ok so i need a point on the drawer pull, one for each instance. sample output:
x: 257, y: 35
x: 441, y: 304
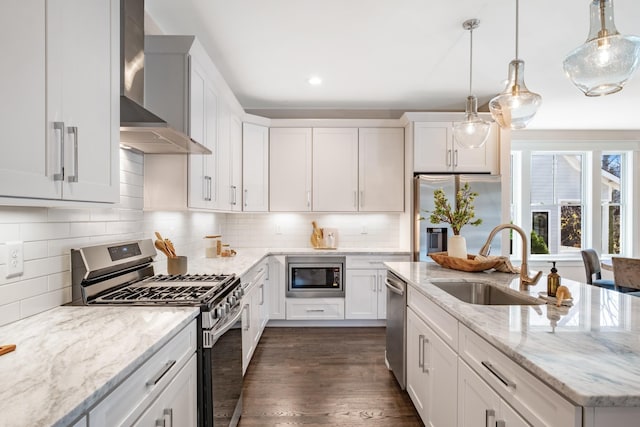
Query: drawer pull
x: 168, y: 415
x: 315, y: 310
x: 489, y: 414
x: 504, y: 380
x: 153, y: 381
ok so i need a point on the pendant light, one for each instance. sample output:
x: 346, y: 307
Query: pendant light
x: 516, y: 105
x: 473, y: 131
x: 604, y: 63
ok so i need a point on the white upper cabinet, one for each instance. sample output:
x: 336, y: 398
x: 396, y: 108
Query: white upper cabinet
x: 60, y: 110
x: 255, y: 168
x: 435, y: 150
x: 335, y: 169
x: 179, y: 87
x: 289, y: 169
x: 203, y: 127
x: 381, y: 170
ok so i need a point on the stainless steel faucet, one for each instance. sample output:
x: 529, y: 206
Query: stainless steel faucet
x: 525, y: 280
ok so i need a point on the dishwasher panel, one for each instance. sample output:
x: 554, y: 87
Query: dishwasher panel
x: 396, y: 327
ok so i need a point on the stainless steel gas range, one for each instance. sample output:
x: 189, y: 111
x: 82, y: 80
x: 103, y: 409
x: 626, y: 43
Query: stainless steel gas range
x: 122, y: 274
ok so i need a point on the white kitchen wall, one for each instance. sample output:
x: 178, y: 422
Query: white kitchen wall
x: 49, y: 234
x: 293, y: 230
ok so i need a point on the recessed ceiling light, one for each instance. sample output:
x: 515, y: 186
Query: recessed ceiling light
x: 314, y: 81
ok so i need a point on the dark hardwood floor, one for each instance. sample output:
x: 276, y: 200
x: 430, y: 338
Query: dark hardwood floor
x: 323, y: 377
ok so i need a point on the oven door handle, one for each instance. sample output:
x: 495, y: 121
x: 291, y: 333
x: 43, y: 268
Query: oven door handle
x: 224, y: 328
x: 392, y: 288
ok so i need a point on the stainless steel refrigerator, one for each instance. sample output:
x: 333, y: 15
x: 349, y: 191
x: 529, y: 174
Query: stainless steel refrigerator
x: 428, y: 237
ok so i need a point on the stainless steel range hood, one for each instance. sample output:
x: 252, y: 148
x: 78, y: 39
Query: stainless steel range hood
x: 140, y: 129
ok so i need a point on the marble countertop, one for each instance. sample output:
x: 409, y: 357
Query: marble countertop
x: 589, y: 352
x: 246, y: 258
x: 68, y: 358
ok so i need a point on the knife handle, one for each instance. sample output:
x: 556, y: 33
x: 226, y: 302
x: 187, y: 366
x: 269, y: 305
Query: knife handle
x: 7, y: 348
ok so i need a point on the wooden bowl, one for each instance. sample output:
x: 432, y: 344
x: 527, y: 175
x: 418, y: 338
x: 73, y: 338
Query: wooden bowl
x: 469, y: 264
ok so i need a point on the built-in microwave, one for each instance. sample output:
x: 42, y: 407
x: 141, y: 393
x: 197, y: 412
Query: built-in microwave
x: 315, y: 276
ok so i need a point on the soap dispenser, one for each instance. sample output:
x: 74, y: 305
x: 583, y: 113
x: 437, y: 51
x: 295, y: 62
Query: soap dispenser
x: 553, y: 281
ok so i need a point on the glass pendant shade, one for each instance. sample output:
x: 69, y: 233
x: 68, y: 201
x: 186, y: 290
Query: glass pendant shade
x: 604, y: 63
x: 473, y: 131
x: 516, y: 105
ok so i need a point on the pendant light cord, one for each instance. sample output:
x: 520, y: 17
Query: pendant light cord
x: 517, y: 24
x: 470, y: 60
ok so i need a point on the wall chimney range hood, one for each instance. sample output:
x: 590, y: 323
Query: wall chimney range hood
x: 140, y: 129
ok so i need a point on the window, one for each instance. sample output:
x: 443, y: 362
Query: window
x: 571, y: 195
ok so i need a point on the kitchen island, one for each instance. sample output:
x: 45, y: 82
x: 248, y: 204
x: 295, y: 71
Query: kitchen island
x: 589, y: 353
x: 70, y: 358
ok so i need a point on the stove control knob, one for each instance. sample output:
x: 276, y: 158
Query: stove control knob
x: 232, y: 300
x: 227, y: 307
x: 220, y: 311
x: 238, y: 293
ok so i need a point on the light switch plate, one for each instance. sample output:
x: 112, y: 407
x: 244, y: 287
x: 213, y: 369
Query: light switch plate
x: 15, y: 259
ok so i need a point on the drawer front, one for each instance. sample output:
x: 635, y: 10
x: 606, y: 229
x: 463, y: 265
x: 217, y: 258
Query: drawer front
x: 315, y: 308
x: 444, y: 324
x: 535, y: 401
x: 373, y: 261
x: 127, y: 402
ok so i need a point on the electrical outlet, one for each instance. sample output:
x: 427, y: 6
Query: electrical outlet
x: 278, y: 229
x: 15, y: 259
x: 364, y: 230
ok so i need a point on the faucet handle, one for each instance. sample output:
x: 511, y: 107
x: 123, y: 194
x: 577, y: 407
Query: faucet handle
x: 530, y: 281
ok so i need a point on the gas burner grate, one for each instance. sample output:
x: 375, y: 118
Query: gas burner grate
x: 189, y: 278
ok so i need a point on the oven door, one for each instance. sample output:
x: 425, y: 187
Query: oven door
x: 315, y: 279
x: 221, y: 397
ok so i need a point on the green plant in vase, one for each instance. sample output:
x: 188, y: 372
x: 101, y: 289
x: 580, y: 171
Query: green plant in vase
x: 458, y: 217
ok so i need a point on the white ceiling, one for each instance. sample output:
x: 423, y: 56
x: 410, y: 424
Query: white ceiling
x: 406, y: 55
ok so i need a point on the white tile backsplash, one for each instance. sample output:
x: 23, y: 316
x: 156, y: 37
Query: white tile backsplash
x: 48, y: 234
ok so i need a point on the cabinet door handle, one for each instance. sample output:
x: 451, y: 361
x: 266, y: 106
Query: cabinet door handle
x: 489, y: 416
x: 261, y: 294
x: 361, y: 198
x: 420, y: 351
x: 235, y: 195
x: 309, y: 199
x: 73, y: 130
x: 248, y: 317
x: 246, y: 197
x: 355, y: 199
x: 205, y: 188
x: 448, y: 157
x: 59, y: 126
x: 157, y: 377
x: 504, y: 380
x: 425, y: 368
x: 455, y: 156
x: 168, y: 415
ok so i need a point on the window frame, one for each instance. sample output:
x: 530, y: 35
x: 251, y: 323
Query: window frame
x: 592, y: 150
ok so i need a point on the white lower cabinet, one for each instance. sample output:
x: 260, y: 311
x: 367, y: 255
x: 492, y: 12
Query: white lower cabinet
x: 178, y: 404
x: 479, y: 405
x: 167, y: 381
x: 431, y: 373
x: 315, y: 308
x: 277, y: 287
x: 365, y: 290
x: 255, y: 310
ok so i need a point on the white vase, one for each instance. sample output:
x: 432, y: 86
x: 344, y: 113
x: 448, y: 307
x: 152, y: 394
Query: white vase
x: 457, y: 247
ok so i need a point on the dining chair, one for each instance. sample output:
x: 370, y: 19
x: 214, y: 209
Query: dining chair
x: 593, y: 270
x: 626, y: 274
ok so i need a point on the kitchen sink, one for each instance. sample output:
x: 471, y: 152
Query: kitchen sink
x: 485, y: 293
